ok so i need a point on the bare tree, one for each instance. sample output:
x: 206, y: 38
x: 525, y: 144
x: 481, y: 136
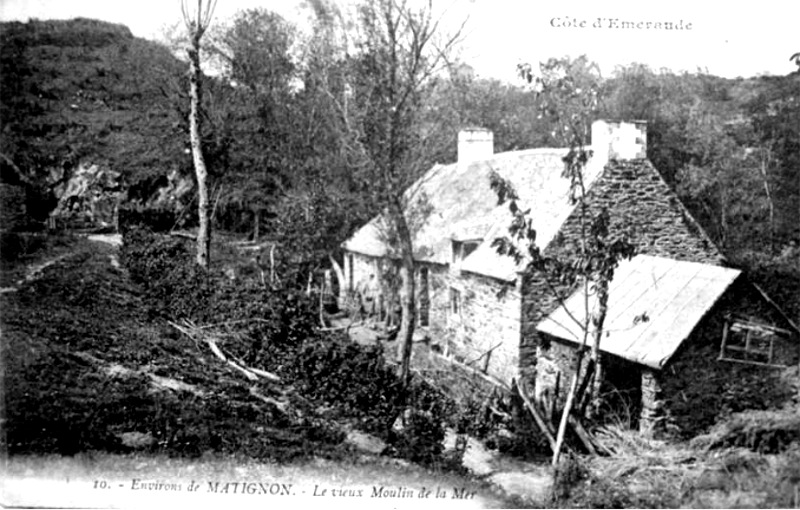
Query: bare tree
x: 396, y: 53
x: 197, y: 22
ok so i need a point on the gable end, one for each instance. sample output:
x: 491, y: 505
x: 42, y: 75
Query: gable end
x: 637, y: 198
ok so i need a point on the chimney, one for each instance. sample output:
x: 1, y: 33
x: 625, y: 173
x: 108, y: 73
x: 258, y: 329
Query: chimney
x: 619, y: 140
x: 475, y: 144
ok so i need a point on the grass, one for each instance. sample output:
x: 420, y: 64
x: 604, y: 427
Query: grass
x: 81, y: 359
x: 648, y: 473
x: 98, y: 389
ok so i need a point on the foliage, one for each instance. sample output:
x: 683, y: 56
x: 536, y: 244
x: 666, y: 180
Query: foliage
x: 760, y: 431
x: 82, y: 90
x: 569, y: 95
x: 80, y: 355
x: 420, y: 436
x: 354, y: 379
x: 699, y: 394
x: 15, y: 246
x: 157, y: 219
x: 275, y: 330
x: 507, y: 110
x: 727, y: 146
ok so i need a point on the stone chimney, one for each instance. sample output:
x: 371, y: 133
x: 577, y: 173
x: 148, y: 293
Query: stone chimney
x: 475, y: 144
x: 619, y: 140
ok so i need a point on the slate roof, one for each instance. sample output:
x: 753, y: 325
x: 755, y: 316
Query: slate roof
x: 674, y: 295
x: 464, y: 207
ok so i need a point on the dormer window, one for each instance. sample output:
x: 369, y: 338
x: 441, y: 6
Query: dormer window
x: 463, y: 249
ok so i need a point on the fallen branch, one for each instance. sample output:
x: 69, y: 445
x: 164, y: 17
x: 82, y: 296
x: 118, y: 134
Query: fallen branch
x: 582, y: 434
x: 334, y: 328
x: 489, y: 378
x: 252, y: 374
x: 268, y: 400
x: 184, y: 235
x: 264, y: 373
x: 212, y: 344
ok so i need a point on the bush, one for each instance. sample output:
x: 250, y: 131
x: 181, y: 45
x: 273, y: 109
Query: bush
x: 157, y: 219
x: 421, y: 438
x: 353, y: 379
x: 14, y: 246
x: 275, y: 328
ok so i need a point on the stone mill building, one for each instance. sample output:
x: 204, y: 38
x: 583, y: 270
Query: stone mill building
x: 682, y: 327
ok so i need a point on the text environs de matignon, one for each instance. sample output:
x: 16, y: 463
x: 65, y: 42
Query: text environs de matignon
x: 619, y: 23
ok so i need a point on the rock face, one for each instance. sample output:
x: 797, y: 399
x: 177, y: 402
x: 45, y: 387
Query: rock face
x: 174, y: 192
x: 89, y: 198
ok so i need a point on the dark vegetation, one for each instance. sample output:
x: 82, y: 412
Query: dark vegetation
x: 85, y: 345
x: 281, y: 162
x: 86, y: 348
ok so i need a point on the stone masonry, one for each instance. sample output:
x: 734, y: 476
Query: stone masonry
x: 639, y: 201
x: 483, y: 329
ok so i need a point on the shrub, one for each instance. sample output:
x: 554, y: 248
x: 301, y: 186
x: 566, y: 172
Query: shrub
x: 275, y: 328
x: 353, y: 379
x: 421, y: 438
x: 14, y: 245
x: 156, y: 219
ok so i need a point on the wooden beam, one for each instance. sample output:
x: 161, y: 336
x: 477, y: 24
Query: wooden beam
x: 746, y: 362
x: 536, y: 416
x: 581, y: 432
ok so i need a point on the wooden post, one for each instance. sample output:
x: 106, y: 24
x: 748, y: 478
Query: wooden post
x: 725, y: 332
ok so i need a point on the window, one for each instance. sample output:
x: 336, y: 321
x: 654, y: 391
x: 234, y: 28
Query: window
x: 455, y: 301
x: 747, y: 341
x: 463, y: 249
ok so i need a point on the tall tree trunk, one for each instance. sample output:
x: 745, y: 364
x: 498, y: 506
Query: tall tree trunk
x: 195, y: 93
x: 407, y: 292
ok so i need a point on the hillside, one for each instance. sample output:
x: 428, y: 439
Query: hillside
x: 85, y: 91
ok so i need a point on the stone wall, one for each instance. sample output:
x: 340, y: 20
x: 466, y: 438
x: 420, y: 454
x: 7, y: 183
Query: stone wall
x: 652, y: 396
x: 695, y: 388
x: 638, y: 200
x: 483, y: 332
x: 698, y: 388
x: 358, y: 268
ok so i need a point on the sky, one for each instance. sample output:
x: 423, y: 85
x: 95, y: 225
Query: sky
x: 731, y: 39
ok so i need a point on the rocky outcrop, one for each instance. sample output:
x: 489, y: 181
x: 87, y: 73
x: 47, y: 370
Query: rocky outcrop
x: 90, y: 196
